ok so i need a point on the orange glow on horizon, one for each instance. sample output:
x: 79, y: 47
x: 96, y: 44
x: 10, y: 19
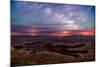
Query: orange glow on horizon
x: 34, y: 32
x: 15, y: 33
x: 87, y: 33
x: 68, y: 33
x: 61, y: 33
x: 31, y: 30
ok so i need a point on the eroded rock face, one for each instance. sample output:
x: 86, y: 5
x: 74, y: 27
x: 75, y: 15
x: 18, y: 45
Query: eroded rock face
x: 44, y: 57
x: 52, y: 57
x: 50, y: 54
x: 13, y: 52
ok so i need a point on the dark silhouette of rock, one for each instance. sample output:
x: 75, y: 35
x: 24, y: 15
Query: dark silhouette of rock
x: 18, y: 47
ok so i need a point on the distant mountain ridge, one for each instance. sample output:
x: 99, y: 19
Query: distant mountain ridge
x: 73, y: 38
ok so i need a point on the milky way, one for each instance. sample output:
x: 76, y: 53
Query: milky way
x: 35, y: 18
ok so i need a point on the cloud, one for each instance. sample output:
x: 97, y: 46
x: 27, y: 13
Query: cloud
x: 48, y: 11
x: 44, y: 18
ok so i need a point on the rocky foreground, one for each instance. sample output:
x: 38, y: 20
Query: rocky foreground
x: 50, y: 54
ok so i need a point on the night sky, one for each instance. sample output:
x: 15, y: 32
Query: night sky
x: 35, y: 18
